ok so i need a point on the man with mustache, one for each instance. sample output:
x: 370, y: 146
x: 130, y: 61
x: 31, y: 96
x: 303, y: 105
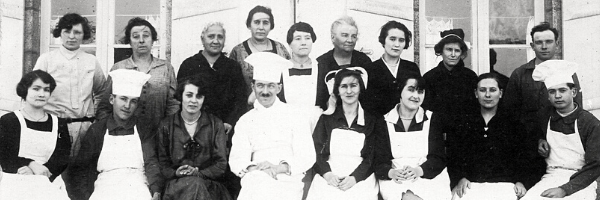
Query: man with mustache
x: 116, y: 160
x: 524, y: 97
x: 569, y: 138
x: 344, y: 34
x: 272, y: 147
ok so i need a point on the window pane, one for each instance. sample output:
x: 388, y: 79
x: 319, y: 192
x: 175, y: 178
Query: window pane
x: 442, y: 15
x: 126, y: 10
x: 508, y: 59
x: 86, y: 8
x: 510, y: 21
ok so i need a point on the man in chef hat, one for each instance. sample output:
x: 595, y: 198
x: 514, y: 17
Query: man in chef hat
x: 570, y: 138
x: 272, y: 147
x: 116, y: 160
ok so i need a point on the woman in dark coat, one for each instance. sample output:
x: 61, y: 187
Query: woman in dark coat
x: 192, y: 148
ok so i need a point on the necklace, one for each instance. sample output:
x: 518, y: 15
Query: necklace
x: 33, y: 118
x: 405, y: 118
x: 255, y: 47
x: 194, y: 121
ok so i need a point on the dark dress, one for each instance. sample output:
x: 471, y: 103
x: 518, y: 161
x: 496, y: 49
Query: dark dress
x: 451, y: 92
x: 382, y: 94
x: 326, y: 64
x: 225, y: 98
x: 10, y: 139
x: 492, y: 152
x: 206, y: 151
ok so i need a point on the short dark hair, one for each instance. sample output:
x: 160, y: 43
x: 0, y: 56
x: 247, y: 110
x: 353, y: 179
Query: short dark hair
x: 544, y: 26
x: 136, y: 21
x: 392, y: 25
x: 420, y: 82
x: 301, y: 27
x: 490, y: 76
x: 28, y: 79
x: 193, y: 80
x: 68, y: 21
x: 340, y: 75
x: 260, y: 9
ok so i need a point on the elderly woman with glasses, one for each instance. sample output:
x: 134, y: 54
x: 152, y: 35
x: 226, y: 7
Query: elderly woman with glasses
x: 191, y: 147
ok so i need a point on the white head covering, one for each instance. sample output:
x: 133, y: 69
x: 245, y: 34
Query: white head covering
x: 128, y: 82
x: 268, y: 66
x: 554, y: 72
x: 329, y: 81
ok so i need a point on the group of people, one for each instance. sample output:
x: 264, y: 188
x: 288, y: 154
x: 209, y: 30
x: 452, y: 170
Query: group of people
x: 262, y: 123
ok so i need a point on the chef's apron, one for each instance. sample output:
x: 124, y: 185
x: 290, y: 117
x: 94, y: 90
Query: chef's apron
x: 121, y: 167
x: 411, y: 149
x: 37, y: 145
x: 565, y: 159
x: 345, y: 156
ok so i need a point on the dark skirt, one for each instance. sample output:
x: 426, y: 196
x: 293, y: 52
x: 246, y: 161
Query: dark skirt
x: 195, y: 188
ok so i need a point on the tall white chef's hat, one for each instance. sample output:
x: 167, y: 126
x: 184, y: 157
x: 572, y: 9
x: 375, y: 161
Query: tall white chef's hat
x: 128, y: 82
x: 554, y: 72
x: 268, y: 66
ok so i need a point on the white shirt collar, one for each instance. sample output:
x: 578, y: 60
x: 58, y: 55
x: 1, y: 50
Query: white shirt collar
x: 68, y: 53
x: 393, y: 115
x: 260, y: 107
x: 393, y: 71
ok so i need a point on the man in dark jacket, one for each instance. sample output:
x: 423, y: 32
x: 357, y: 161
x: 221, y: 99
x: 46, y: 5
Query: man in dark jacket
x: 116, y: 160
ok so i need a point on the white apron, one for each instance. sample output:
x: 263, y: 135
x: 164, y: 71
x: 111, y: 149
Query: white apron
x: 565, y: 159
x: 121, y: 167
x: 301, y: 89
x: 345, y: 147
x: 29, y: 187
x: 37, y: 145
x: 411, y: 149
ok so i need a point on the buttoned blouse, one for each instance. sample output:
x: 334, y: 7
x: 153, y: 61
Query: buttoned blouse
x: 80, y: 82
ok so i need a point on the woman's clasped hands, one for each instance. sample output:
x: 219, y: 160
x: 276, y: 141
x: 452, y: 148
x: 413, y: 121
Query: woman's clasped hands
x: 406, y: 173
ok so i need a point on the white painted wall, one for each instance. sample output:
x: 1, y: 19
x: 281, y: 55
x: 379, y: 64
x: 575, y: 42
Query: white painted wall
x: 11, y: 52
x: 582, y: 45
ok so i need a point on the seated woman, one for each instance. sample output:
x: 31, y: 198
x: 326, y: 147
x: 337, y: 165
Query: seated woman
x: 191, y: 147
x: 410, y: 160
x: 344, y: 142
x: 32, y: 141
x: 486, y: 149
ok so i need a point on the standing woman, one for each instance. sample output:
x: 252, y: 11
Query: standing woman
x: 344, y: 142
x: 410, y: 159
x: 387, y: 72
x: 33, y: 141
x: 192, y: 147
x: 158, y: 94
x: 300, y: 80
x: 260, y: 22
x: 451, y: 84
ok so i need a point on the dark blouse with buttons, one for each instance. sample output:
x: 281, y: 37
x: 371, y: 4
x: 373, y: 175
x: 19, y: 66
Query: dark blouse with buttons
x: 382, y: 88
x: 492, y: 152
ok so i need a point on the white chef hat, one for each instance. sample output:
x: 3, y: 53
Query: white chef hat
x: 268, y: 66
x: 554, y: 72
x: 128, y: 82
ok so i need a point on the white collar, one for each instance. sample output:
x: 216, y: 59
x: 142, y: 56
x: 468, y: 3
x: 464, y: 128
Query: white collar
x: 394, y: 71
x: 68, y: 53
x: 260, y: 107
x: 393, y: 115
